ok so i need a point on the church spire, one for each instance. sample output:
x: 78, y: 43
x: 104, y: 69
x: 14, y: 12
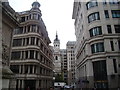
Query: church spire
x: 56, y: 36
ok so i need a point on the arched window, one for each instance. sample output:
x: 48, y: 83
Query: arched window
x: 56, y: 57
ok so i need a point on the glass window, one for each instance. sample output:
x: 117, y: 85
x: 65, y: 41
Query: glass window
x: 93, y: 17
x: 18, y: 30
x: 109, y: 29
x: 56, y: 57
x: 16, y: 55
x: 32, y: 40
x: 115, y: 13
x: 35, y: 16
x: 119, y: 44
x: 99, y: 69
x: 22, y: 19
x: 117, y: 28
x: 112, y: 45
x: 115, y: 65
x: 17, y: 42
x: 106, y: 14
x: 95, y: 31
x: 14, y: 68
x: 31, y: 54
x: 97, y: 47
x: 33, y: 28
x: 92, y: 3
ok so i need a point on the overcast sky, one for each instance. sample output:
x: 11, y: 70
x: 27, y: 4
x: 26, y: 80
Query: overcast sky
x: 57, y: 16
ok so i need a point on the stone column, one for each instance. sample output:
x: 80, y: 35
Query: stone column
x: 33, y: 69
x: 28, y: 69
x: 28, y: 54
x: 19, y: 69
x: 22, y: 84
x: 35, y: 40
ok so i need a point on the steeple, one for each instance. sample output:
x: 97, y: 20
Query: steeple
x: 56, y: 39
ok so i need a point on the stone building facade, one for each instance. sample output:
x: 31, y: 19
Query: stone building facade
x: 31, y: 56
x: 97, y: 31
x: 63, y: 55
x: 8, y: 22
x: 57, y: 58
x: 71, y: 62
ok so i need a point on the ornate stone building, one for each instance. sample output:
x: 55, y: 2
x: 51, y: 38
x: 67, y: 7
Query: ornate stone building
x: 31, y: 57
x: 97, y: 31
x: 8, y: 20
x: 57, y: 58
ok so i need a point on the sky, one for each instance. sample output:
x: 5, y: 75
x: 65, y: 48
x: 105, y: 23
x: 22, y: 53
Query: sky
x: 57, y: 16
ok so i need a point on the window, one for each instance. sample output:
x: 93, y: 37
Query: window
x: 14, y: 68
x: 35, y: 16
x: 16, y: 55
x: 26, y: 54
x: 32, y: 40
x: 114, y: 2
x: 112, y: 45
x: 100, y: 72
x: 115, y: 65
x: 93, y: 17
x: 119, y: 44
x: 56, y: 57
x: 115, y: 13
x: 109, y: 29
x: 17, y: 42
x: 27, y: 41
x: 31, y: 54
x: 91, y: 4
x: 106, y: 14
x: 33, y: 28
x: 22, y: 19
x: 97, y: 47
x: 95, y: 31
x: 117, y: 28
x: 18, y: 30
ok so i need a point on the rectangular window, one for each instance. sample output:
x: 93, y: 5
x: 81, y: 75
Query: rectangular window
x: 16, y: 55
x: 35, y: 16
x: 93, y: 17
x: 26, y: 54
x: 17, y: 42
x: 18, y: 30
x: 31, y: 54
x: 112, y: 45
x: 106, y: 14
x: 97, y: 47
x: 115, y: 65
x: 14, y: 68
x: 33, y: 28
x: 119, y: 44
x: 100, y: 72
x: 32, y: 40
x: 95, y: 31
x: 117, y: 28
x: 22, y: 19
x: 27, y: 41
x: 109, y: 29
x: 115, y: 13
